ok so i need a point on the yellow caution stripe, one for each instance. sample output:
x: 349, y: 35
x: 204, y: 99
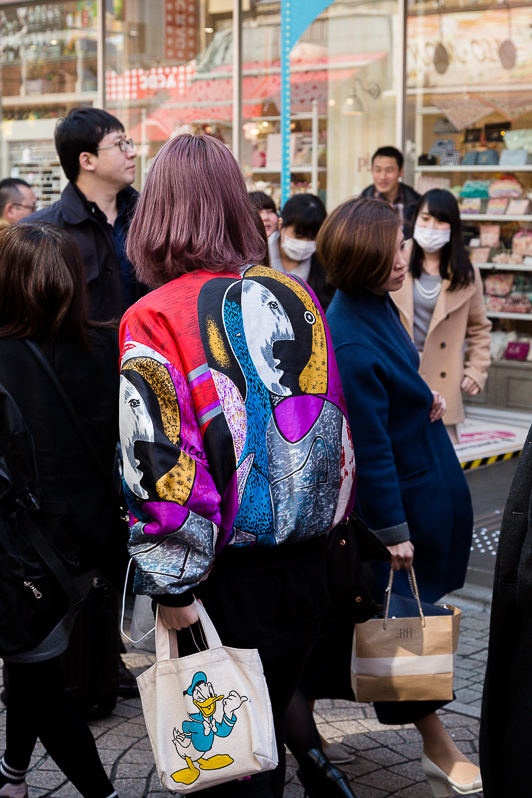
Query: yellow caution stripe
x: 483, y: 461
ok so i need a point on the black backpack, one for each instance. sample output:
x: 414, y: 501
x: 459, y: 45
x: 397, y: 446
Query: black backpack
x: 36, y: 586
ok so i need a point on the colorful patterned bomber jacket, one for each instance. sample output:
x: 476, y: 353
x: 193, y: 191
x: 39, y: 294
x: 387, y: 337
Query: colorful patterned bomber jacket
x: 232, y: 423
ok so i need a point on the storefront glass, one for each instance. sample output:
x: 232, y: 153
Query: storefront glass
x: 165, y: 66
x: 351, y: 50
x: 469, y: 129
x: 49, y: 62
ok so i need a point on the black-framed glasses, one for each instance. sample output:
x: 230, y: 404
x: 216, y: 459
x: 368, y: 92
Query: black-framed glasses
x: 30, y: 208
x: 123, y: 145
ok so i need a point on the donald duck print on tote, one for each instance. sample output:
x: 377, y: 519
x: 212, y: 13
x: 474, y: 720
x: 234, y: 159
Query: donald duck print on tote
x: 197, y: 735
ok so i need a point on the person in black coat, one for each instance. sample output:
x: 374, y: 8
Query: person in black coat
x: 506, y: 719
x: 97, y: 205
x: 293, y: 248
x: 96, y: 208
x: 387, y: 165
x: 43, y: 299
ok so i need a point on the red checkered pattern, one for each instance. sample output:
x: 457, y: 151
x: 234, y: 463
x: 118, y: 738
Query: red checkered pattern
x: 135, y: 84
x: 180, y: 30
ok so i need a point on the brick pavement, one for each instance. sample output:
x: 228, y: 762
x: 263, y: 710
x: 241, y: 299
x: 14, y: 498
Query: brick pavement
x: 387, y: 761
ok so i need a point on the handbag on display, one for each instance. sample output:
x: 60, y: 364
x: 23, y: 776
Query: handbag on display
x: 517, y: 350
x: 487, y: 158
x: 36, y: 587
x: 470, y: 158
x: 408, y: 654
x: 442, y: 147
x: 514, y: 157
x: 208, y: 714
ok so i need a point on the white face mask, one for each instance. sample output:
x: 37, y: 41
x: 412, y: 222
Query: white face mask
x: 298, y: 248
x: 431, y: 240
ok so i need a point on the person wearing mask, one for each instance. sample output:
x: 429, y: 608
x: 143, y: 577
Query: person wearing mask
x: 441, y: 304
x: 267, y: 210
x: 411, y: 491
x: 97, y: 204
x: 17, y: 201
x: 387, y: 164
x: 214, y: 361
x: 293, y: 247
x: 43, y: 299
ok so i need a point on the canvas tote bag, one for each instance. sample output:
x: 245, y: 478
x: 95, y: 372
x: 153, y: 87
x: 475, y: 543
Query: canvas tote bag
x: 208, y: 714
x: 406, y: 658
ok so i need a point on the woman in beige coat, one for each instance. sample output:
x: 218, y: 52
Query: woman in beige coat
x: 442, y: 307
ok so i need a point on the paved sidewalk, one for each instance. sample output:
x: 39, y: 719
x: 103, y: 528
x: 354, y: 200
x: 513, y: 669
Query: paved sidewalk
x: 387, y: 759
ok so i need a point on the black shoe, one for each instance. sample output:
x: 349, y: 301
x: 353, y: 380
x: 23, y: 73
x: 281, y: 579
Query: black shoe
x: 322, y: 779
x: 127, y: 683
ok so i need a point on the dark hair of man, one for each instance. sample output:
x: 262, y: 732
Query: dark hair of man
x: 305, y: 212
x: 455, y: 264
x: 357, y: 242
x: 194, y: 213
x: 262, y: 201
x: 389, y: 152
x: 82, y: 130
x: 9, y: 191
x: 42, y: 284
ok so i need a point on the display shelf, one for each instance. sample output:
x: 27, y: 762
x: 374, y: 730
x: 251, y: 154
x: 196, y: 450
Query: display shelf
x: 496, y: 217
x: 59, y: 98
x: 495, y: 168
x: 305, y: 168
x: 504, y: 267
x: 307, y: 150
x: 492, y: 314
x: 40, y: 58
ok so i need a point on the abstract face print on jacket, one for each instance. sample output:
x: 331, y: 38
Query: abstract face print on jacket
x: 233, y: 423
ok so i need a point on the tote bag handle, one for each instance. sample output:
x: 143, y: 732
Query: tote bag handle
x: 415, y: 592
x: 166, y: 639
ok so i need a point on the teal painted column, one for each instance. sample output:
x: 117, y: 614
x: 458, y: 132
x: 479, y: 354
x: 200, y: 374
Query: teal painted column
x: 296, y: 16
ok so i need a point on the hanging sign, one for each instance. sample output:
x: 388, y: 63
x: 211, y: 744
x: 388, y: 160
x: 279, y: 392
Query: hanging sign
x: 180, y: 30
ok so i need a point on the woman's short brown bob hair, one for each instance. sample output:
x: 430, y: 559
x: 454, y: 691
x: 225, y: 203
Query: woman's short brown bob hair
x: 42, y: 284
x: 194, y: 213
x: 357, y: 242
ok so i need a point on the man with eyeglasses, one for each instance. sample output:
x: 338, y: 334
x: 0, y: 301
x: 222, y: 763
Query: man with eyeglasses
x: 17, y: 201
x: 97, y: 205
x: 96, y: 208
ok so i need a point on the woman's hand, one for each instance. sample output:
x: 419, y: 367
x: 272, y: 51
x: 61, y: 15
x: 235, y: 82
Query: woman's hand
x: 178, y: 617
x: 438, y: 408
x: 469, y: 386
x: 402, y: 555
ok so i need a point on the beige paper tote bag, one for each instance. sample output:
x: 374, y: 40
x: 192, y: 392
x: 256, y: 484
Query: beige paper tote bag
x: 406, y: 658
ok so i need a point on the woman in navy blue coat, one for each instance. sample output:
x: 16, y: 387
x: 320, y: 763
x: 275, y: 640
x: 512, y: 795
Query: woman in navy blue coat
x: 410, y: 487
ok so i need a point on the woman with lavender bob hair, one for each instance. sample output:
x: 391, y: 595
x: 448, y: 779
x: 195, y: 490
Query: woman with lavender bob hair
x: 240, y: 458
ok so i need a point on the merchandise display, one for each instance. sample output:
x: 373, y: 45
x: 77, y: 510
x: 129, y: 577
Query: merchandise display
x: 493, y: 185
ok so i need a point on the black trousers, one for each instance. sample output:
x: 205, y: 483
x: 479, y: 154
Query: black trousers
x: 37, y: 708
x: 273, y: 600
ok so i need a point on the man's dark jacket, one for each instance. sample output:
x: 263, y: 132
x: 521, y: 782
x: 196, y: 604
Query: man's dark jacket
x: 89, y: 226
x: 506, y: 722
x: 408, y: 197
